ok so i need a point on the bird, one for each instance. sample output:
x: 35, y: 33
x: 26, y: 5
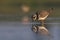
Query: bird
x: 41, y: 15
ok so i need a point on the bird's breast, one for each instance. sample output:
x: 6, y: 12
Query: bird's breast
x: 42, y: 18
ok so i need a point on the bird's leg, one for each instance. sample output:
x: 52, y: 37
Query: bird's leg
x: 42, y: 22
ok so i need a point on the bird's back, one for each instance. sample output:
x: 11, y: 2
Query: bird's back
x: 43, y: 13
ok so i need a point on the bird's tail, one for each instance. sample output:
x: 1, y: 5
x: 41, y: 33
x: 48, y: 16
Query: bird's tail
x: 50, y: 10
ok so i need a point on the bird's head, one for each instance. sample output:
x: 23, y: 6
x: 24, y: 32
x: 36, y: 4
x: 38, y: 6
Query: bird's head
x: 34, y: 17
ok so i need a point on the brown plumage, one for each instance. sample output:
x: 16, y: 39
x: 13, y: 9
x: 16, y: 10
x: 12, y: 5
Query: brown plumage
x: 42, y: 14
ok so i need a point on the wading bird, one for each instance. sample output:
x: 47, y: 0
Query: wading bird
x: 41, y: 15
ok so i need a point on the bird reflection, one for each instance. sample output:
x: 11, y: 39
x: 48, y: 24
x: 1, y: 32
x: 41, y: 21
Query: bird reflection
x: 42, y: 30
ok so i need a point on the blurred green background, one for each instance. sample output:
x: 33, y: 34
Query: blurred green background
x: 10, y: 9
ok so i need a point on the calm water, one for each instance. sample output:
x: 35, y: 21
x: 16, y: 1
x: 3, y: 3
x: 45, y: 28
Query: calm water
x: 19, y: 31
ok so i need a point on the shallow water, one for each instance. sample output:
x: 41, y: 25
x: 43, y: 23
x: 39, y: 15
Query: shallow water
x: 19, y: 31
